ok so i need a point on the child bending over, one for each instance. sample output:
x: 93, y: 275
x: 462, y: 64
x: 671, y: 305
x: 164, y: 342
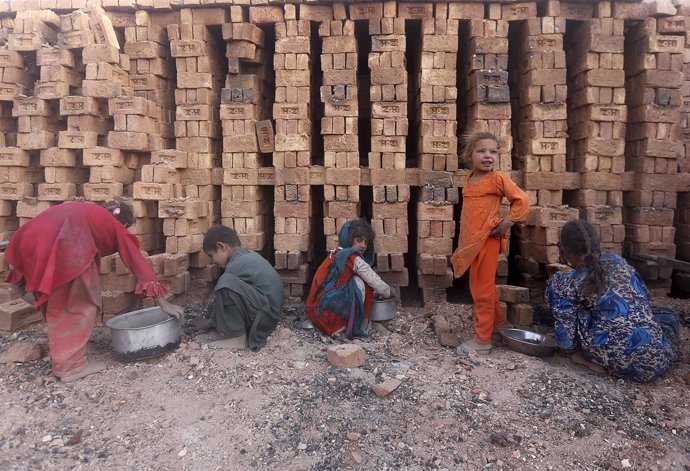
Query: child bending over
x: 341, y: 294
x: 483, y: 235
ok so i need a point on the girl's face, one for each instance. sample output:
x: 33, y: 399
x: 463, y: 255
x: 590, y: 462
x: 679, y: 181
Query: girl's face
x: 484, y: 155
x: 360, y: 243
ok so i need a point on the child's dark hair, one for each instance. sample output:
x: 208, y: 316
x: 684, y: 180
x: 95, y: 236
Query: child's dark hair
x: 221, y: 234
x: 470, y: 138
x: 579, y: 239
x: 121, y: 211
x: 359, y: 229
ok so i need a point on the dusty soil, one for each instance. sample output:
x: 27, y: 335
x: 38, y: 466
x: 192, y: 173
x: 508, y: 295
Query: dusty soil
x: 286, y: 408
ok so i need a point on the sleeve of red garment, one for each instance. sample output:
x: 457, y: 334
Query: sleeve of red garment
x: 519, y: 202
x: 128, y: 248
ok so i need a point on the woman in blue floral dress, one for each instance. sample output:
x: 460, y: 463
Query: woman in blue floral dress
x: 602, y: 310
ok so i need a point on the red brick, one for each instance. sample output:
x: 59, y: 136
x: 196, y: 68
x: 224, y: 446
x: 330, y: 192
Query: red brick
x: 17, y: 314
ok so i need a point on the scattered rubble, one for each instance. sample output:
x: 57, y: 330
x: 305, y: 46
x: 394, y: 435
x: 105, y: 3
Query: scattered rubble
x: 286, y: 407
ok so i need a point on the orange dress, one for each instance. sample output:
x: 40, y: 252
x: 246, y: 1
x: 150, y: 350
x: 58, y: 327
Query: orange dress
x: 481, y: 202
x: 478, y: 251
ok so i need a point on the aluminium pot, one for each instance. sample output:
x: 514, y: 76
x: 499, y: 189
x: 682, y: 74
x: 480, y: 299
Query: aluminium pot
x: 145, y: 333
x: 383, y: 309
x: 528, y: 342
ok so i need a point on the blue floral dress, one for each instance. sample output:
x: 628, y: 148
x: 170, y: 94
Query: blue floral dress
x: 621, y: 330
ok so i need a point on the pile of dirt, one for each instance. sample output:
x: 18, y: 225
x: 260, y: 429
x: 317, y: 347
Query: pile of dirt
x: 285, y: 407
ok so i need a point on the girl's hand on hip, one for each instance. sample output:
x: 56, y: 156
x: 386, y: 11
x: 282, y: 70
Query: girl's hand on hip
x: 502, y: 228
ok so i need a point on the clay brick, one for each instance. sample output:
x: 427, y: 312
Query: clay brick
x: 416, y: 11
x: 265, y: 14
x: 346, y: 356
x: 520, y: 314
x: 56, y: 191
x: 17, y: 314
x: 464, y: 11
x: 14, y: 157
x: 551, y: 216
x: 176, y: 264
x: 366, y: 11
x: 77, y: 139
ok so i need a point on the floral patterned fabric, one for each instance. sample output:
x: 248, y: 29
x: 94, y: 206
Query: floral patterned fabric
x: 621, y: 330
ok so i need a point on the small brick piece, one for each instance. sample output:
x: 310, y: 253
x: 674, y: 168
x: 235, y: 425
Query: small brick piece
x: 385, y: 388
x: 346, y: 356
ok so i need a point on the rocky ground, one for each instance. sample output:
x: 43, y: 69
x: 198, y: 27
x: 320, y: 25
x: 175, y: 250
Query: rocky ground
x: 286, y: 408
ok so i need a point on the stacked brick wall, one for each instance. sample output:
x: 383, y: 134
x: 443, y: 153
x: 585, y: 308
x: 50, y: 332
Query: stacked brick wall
x: 284, y: 120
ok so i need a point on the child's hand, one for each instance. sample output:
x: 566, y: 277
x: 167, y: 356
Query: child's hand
x: 169, y: 308
x: 502, y: 228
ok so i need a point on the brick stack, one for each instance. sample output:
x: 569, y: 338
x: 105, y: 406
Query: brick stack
x: 152, y: 75
x: 16, y: 78
x: 389, y: 128
x: 515, y: 301
x: 540, y: 106
x: 484, y: 96
x: 438, y: 157
x: 244, y: 102
x: 36, y: 130
x: 185, y: 220
x: 293, y: 240
x: 196, y: 52
x: 53, y: 124
x: 597, y: 122
x: 339, y: 126
x: 33, y: 29
x: 539, y: 124
x: 682, y: 216
x: 37, y: 119
x: 653, y: 69
x: 539, y: 236
x: 483, y: 93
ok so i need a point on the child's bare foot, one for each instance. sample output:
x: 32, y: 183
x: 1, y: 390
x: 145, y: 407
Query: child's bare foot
x: 580, y: 359
x: 91, y: 368
x: 235, y: 343
x: 201, y: 324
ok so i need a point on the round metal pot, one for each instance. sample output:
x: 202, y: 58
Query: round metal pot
x: 383, y: 309
x: 528, y: 342
x: 145, y: 333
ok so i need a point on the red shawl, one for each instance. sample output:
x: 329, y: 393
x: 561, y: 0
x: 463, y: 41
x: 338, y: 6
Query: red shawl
x: 59, y: 244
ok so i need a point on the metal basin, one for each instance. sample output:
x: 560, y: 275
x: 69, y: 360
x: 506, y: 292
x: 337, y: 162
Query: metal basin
x: 527, y: 342
x: 383, y: 309
x: 145, y: 333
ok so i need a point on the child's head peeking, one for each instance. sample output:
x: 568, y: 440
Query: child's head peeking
x: 480, y: 151
x: 359, y: 235
x: 121, y: 211
x: 220, y: 244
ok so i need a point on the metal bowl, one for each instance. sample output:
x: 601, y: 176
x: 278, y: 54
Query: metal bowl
x: 145, y: 333
x: 528, y: 342
x: 383, y: 309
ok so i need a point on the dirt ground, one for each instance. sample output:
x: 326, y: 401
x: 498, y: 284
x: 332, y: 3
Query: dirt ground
x: 286, y: 408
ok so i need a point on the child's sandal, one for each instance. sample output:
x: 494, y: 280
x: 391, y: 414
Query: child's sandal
x: 473, y: 345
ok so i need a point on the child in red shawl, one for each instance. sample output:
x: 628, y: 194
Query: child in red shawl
x: 483, y: 235
x: 57, y: 256
x: 343, y: 287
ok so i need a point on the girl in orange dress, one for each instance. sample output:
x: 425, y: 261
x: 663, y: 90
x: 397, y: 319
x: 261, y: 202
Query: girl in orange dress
x: 483, y: 235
